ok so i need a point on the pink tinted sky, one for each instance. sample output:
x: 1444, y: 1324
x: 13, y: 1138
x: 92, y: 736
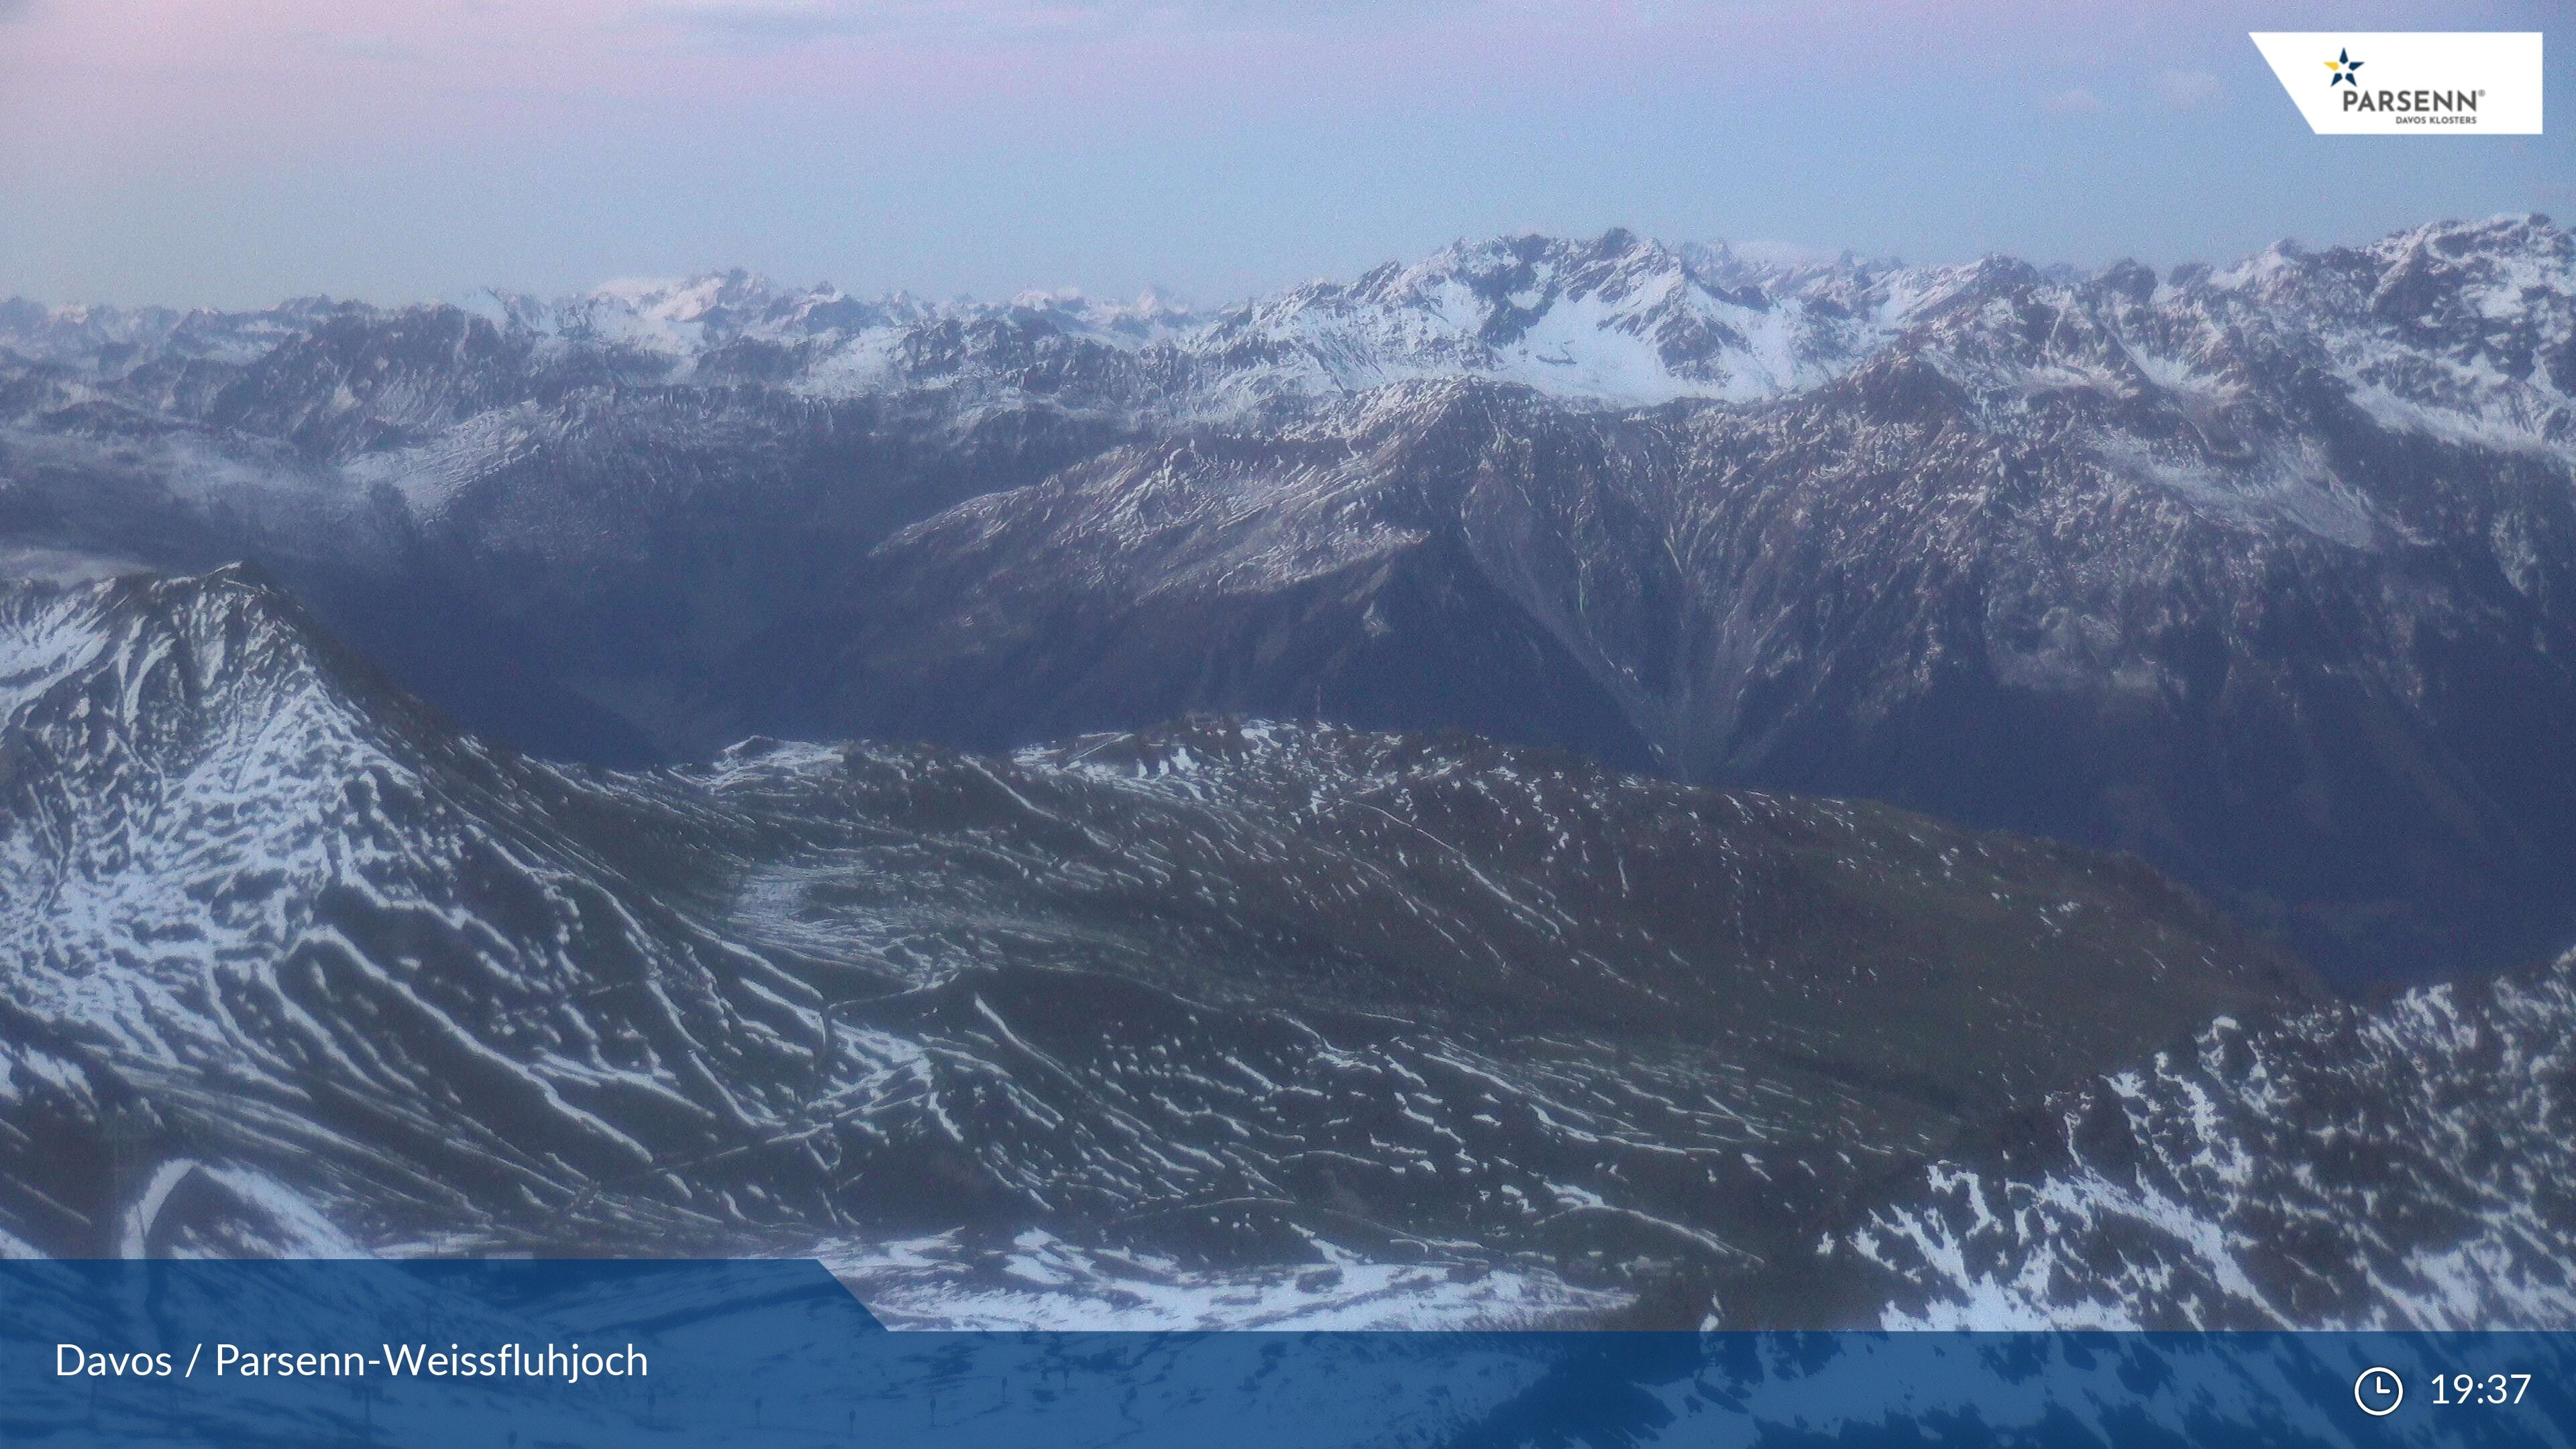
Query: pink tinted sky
x: 227, y: 150
x: 160, y: 72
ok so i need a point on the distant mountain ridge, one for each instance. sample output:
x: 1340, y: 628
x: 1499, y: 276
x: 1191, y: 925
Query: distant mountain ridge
x: 2449, y: 328
x: 1617, y: 320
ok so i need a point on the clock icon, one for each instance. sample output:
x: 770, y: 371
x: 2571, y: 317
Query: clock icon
x: 2378, y: 1391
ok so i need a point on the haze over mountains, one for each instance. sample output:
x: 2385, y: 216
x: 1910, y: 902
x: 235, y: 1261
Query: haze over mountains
x: 1134, y: 910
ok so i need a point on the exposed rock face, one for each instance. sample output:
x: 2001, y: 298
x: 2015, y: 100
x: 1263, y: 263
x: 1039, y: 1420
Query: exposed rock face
x: 2265, y: 575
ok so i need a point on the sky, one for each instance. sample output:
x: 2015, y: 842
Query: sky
x: 236, y: 152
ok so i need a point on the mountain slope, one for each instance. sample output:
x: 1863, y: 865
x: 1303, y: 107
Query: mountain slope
x: 2402, y: 1167
x: 2285, y: 610
x: 292, y: 962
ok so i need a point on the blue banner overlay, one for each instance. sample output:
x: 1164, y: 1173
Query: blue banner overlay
x: 549, y: 1355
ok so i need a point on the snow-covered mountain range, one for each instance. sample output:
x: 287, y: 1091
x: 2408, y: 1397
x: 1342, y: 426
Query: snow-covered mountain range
x: 2456, y: 330
x: 1617, y: 320
x: 2262, y: 571
x: 1105, y: 1001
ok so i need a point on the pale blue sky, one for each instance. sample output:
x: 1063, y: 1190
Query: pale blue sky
x: 170, y: 150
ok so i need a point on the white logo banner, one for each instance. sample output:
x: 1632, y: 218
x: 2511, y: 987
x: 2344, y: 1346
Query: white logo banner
x: 2414, y: 83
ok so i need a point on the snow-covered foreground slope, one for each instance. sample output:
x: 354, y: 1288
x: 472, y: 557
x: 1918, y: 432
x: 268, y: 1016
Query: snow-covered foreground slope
x: 2400, y: 1166
x: 1223, y: 1024
x: 1326, y: 1026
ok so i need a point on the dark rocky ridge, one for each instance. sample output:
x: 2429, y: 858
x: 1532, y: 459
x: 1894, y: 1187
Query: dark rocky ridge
x: 2358, y: 741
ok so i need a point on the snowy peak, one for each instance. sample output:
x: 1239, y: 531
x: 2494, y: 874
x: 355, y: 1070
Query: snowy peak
x: 2461, y: 332
x: 115, y: 340
x: 684, y: 318
x: 2465, y: 331
x: 171, y: 714
x: 126, y: 655
x: 1615, y: 319
x: 719, y: 295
